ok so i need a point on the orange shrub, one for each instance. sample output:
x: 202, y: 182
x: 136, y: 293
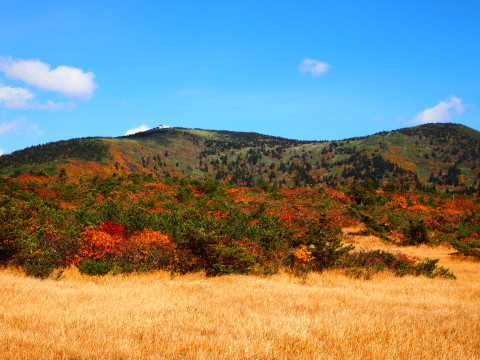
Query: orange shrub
x: 396, y: 235
x: 147, y: 238
x: 302, y: 257
x: 338, y: 195
x: 98, y: 244
x: 153, y: 248
x: 110, y: 241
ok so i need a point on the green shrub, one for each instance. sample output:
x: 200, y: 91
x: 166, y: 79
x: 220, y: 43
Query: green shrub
x: 110, y: 211
x: 429, y: 268
x: 184, y: 194
x: 15, y: 217
x: 95, y: 266
x: 211, y: 187
x: 231, y: 259
x: 416, y: 233
x: 466, y: 248
x: 40, y: 264
x: 324, y: 243
x: 121, y: 266
x: 365, y: 263
x: 135, y: 218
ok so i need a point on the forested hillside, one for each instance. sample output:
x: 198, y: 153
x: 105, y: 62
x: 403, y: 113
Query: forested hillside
x: 429, y: 157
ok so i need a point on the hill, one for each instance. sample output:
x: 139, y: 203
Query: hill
x: 431, y: 156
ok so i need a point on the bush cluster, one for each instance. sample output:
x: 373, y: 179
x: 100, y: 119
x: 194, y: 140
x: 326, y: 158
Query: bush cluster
x: 132, y: 223
x: 364, y: 264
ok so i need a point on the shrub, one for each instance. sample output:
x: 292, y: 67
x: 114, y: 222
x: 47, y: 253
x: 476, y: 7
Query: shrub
x: 40, y: 264
x: 416, y: 233
x: 365, y: 263
x: 15, y: 226
x: 135, y: 218
x: 64, y: 247
x: 429, y: 268
x: 122, y: 266
x: 302, y: 260
x: 152, y: 249
x: 231, y: 258
x: 111, y: 211
x: 95, y: 266
x: 185, y: 194
x: 324, y: 243
x: 99, y: 244
x: 211, y: 187
x: 466, y: 248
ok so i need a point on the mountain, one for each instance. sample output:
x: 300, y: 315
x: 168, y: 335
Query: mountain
x: 441, y: 156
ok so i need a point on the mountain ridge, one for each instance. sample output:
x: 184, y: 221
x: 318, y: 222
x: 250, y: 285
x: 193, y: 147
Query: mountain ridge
x: 437, y: 156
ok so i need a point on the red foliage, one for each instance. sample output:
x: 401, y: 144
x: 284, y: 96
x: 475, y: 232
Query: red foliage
x: 45, y: 193
x: 338, y: 195
x: 409, y: 259
x: 113, y: 229
x: 97, y: 244
x: 340, y: 217
x: 32, y: 178
x: 219, y: 214
x: 111, y: 240
x: 435, y: 221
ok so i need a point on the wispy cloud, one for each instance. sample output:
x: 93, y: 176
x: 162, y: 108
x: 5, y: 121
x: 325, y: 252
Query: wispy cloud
x: 315, y: 67
x: 20, y: 126
x: 442, y: 112
x: 67, y: 80
x: 55, y: 106
x: 15, y: 97
x: 8, y: 127
x: 21, y: 98
x: 137, y: 130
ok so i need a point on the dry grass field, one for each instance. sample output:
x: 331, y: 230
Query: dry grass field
x: 326, y: 316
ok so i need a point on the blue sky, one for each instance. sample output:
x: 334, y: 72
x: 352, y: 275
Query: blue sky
x: 300, y: 69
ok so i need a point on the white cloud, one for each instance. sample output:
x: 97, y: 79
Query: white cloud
x: 20, y: 126
x: 54, y: 106
x: 137, y: 130
x: 20, y: 98
x: 2, y: 152
x: 7, y: 127
x: 441, y: 112
x: 67, y: 80
x: 314, y: 67
x: 15, y: 97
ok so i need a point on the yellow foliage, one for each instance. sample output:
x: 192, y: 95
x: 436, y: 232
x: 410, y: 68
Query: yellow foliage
x: 302, y: 256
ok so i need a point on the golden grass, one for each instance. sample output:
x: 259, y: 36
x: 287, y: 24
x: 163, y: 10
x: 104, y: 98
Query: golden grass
x: 327, y: 316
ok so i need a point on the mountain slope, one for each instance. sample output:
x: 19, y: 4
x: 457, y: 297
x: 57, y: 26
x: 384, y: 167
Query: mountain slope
x: 446, y: 156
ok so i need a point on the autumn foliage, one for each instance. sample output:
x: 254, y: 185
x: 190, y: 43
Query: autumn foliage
x: 302, y: 257
x: 110, y: 241
x: 135, y: 223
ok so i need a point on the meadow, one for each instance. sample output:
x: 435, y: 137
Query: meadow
x: 126, y: 267
x: 322, y: 316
